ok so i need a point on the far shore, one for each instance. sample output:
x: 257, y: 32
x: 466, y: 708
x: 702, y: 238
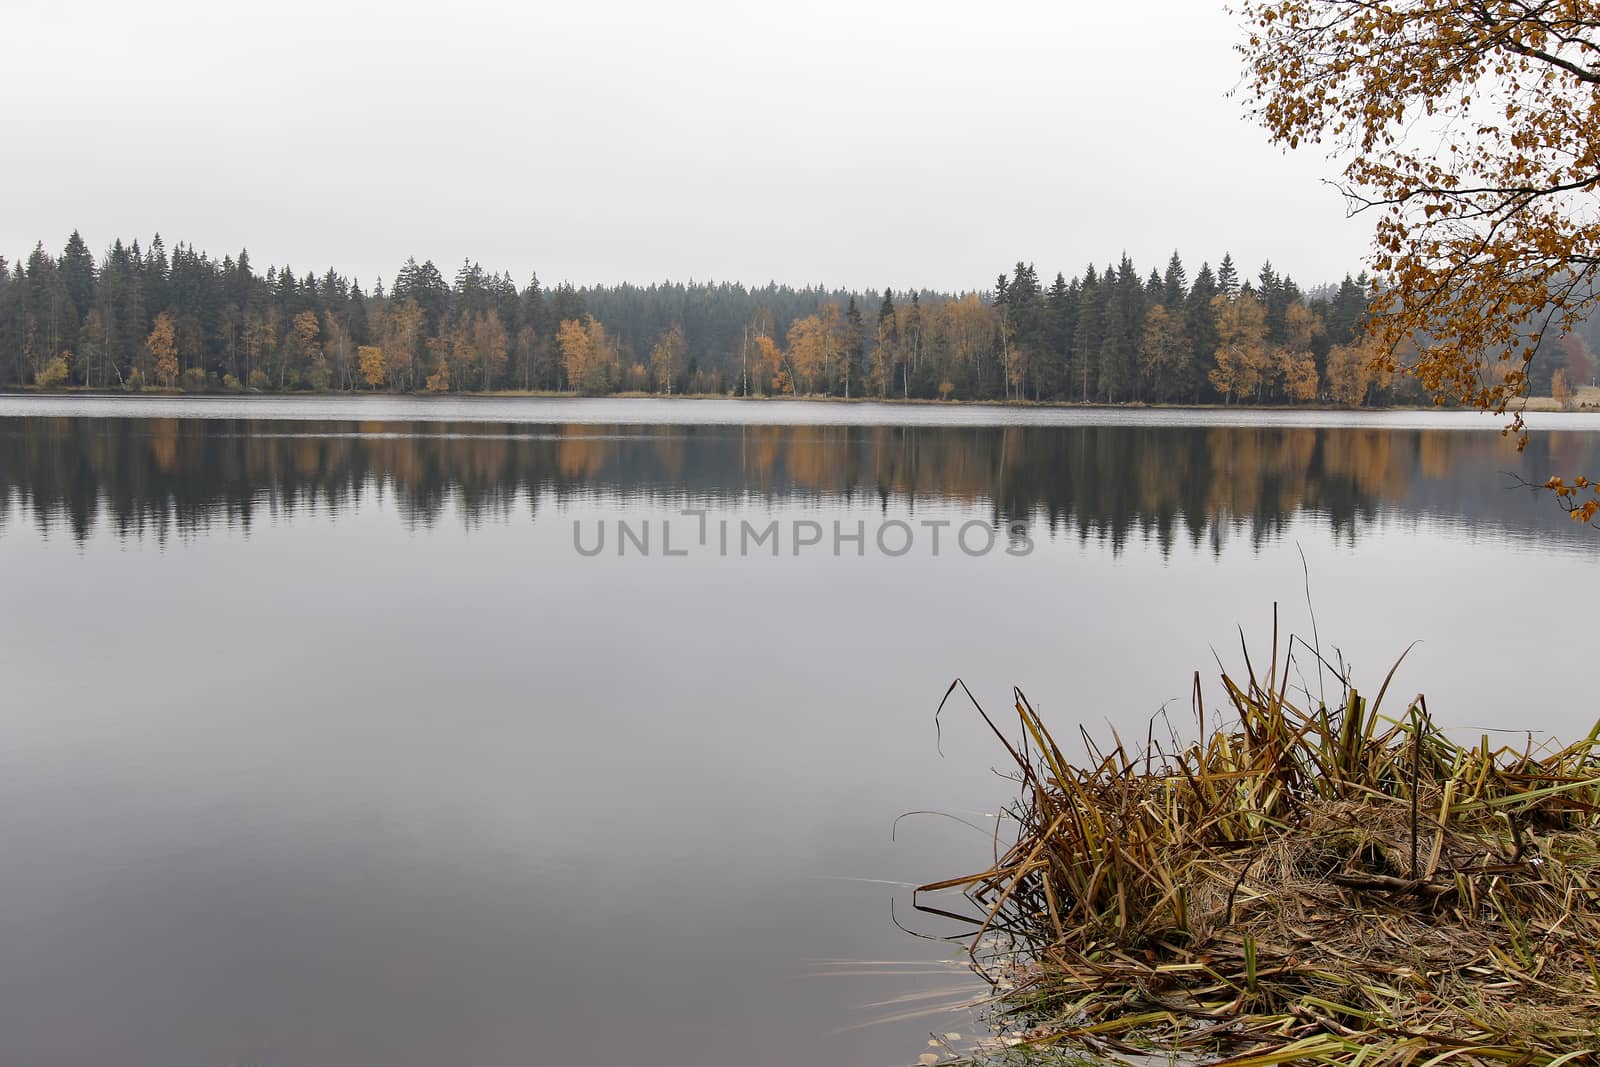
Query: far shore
x: 1586, y: 400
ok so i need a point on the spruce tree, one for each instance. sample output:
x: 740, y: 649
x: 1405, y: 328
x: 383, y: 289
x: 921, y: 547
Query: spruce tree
x: 913, y: 354
x: 1347, y: 311
x: 10, y: 321
x: 1060, y: 310
x: 1175, y: 285
x: 1087, y: 335
x: 359, y: 323
x: 1227, y: 276
x: 855, y: 341
x: 1275, y: 299
x: 1124, y: 320
x: 77, y: 273
x: 1028, y: 325
x: 132, y: 325
x: 1200, y: 324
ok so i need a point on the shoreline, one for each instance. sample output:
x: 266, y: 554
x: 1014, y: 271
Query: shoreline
x: 1532, y: 404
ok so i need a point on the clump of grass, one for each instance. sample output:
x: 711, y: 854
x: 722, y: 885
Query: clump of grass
x: 1303, y: 884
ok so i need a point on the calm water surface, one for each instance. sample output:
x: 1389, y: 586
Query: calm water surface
x: 324, y: 743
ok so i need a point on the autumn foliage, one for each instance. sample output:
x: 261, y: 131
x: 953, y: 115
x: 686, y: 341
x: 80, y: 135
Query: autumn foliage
x: 163, y: 348
x: 1472, y: 130
x: 589, y: 355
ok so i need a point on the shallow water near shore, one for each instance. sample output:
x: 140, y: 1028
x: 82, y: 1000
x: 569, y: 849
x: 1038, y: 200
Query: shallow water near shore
x: 330, y: 738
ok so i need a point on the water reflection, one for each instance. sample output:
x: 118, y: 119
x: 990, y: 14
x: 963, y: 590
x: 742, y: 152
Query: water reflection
x: 316, y: 750
x: 1195, y: 484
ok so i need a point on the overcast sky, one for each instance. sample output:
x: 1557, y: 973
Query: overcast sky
x: 849, y: 142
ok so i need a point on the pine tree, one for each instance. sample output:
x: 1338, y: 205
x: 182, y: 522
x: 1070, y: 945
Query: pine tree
x: 469, y: 292
x: 155, y: 275
x: 1274, y: 299
x: 1227, y: 276
x: 50, y: 322
x: 357, y: 321
x: 11, y: 336
x: 886, y: 350
x: 565, y: 303
x: 1200, y: 326
x: 77, y: 273
x: 1175, y: 285
x: 1347, y: 311
x: 913, y: 333
x: 1088, y: 334
x: 1029, y: 334
x: 536, y: 352
x: 132, y: 319
x: 424, y: 284
x: 1061, y: 311
x: 855, y: 341
x: 1124, y: 325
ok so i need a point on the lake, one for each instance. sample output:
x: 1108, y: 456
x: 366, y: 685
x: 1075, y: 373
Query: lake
x: 373, y: 731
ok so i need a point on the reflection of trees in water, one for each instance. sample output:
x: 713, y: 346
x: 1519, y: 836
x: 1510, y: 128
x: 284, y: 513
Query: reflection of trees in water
x: 1198, y: 484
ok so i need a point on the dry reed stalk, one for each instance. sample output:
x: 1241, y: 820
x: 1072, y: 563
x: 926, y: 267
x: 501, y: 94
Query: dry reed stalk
x: 1301, y: 885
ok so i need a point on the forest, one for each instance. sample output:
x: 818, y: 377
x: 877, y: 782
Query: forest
x: 141, y: 318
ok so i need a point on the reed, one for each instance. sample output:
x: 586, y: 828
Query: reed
x: 1302, y: 884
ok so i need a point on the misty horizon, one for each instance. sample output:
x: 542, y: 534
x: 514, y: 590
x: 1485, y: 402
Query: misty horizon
x: 619, y: 142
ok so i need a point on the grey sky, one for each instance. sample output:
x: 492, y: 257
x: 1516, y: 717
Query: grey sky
x: 901, y: 142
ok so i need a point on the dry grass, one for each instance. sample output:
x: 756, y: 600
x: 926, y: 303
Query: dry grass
x: 1301, y: 885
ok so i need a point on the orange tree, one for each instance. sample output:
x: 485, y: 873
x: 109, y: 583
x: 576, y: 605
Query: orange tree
x: 1472, y: 129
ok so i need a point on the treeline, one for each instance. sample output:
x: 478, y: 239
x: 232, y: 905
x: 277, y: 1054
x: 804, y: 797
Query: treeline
x: 139, y: 318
